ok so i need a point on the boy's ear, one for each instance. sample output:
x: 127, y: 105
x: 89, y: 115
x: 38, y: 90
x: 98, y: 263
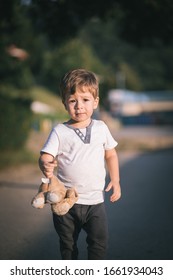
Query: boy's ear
x: 96, y: 102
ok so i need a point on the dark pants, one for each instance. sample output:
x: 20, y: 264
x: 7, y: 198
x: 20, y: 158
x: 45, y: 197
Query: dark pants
x: 91, y: 218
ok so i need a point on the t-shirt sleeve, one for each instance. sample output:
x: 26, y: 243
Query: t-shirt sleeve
x: 52, y: 144
x: 110, y: 142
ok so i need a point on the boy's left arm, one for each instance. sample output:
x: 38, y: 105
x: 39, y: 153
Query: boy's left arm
x: 113, y: 168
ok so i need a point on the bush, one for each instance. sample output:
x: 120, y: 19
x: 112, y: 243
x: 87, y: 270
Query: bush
x: 15, y: 122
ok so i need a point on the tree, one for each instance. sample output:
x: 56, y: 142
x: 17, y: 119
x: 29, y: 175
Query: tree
x: 141, y: 21
x: 147, y: 20
x: 16, y: 76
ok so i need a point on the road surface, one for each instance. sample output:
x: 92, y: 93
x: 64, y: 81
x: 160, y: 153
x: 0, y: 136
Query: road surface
x: 140, y: 223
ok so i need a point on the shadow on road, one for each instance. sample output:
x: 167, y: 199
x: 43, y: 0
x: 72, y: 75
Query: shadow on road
x: 140, y: 223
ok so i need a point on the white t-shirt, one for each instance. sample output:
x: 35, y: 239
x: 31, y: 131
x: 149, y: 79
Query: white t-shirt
x: 80, y: 154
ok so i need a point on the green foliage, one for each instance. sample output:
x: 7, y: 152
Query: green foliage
x: 63, y: 35
x: 17, y: 157
x: 141, y: 21
x: 147, y: 20
x: 144, y: 68
x: 15, y: 122
x: 71, y: 55
x: 75, y: 54
x: 62, y: 19
x: 132, y: 78
x: 89, y: 38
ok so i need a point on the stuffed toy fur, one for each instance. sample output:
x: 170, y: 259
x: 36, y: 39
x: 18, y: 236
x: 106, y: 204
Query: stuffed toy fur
x: 54, y: 192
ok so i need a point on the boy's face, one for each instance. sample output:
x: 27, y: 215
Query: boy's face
x: 80, y: 106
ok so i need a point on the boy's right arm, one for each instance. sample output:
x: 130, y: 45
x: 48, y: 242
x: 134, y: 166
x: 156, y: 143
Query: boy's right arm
x: 47, y: 163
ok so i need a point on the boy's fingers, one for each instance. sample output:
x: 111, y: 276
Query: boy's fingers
x: 108, y: 188
x: 115, y: 196
x: 48, y: 174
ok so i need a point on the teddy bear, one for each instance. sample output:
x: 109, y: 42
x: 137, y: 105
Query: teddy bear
x: 54, y: 192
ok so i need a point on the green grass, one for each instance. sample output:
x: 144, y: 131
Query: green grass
x: 42, y: 94
x: 17, y: 157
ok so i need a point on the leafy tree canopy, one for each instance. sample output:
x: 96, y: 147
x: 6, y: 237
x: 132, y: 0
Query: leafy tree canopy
x: 140, y: 21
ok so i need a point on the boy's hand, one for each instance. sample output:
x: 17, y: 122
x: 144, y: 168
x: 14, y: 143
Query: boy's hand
x: 116, y: 191
x: 47, y: 167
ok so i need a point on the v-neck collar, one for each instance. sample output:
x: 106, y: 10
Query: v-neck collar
x: 85, y: 139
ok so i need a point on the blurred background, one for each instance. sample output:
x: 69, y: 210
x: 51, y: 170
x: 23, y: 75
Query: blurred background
x: 129, y: 45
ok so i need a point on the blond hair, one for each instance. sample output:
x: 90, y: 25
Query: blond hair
x: 78, y: 79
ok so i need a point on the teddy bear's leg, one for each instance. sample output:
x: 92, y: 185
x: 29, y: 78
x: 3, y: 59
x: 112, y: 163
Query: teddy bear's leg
x: 56, y: 191
x: 60, y: 208
x: 63, y: 207
x: 38, y: 201
x: 71, y: 196
x: 53, y: 197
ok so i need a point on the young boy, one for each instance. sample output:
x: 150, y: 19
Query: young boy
x: 80, y: 147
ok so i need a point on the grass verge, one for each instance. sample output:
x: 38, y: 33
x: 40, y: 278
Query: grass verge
x: 17, y: 157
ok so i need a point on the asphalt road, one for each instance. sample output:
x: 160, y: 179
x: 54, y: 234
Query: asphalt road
x: 140, y: 223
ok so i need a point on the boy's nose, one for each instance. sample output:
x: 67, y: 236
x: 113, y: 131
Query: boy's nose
x: 79, y: 105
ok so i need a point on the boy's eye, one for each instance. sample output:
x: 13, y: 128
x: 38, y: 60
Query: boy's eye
x: 86, y: 99
x: 72, y: 101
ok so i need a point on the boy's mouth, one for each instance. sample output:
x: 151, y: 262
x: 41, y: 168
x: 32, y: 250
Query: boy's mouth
x: 80, y: 113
